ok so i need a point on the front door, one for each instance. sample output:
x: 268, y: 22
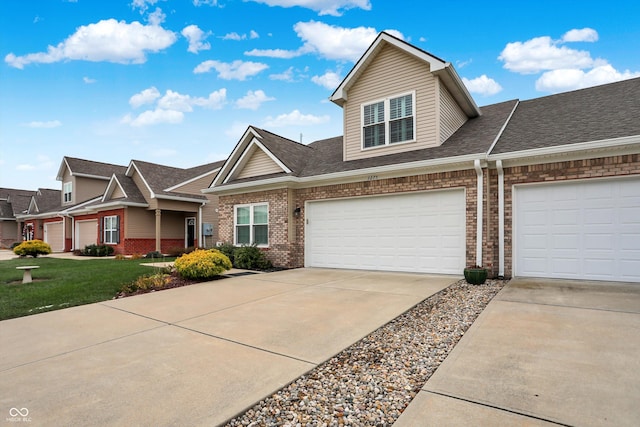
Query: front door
x: 191, y: 232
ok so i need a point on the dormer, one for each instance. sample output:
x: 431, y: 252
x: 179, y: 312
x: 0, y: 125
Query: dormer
x: 399, y: 98
x: 84, y: 179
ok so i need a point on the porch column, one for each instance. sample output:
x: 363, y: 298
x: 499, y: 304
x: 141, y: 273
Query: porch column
x: 158, y: 229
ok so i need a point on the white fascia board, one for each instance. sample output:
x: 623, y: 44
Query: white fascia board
x: 374, y: 173
x: 86, y: 175
x: 80, y: 206
x: 501, y: 131
x: 248, y: 151
x: 180, y: 199
x: 613, y: 146
x: 457, y: 89
x: 189, y: 181
x: 111, y: 188
x: 146, y: 184
x: 233, y: 157
x: 63, y: 164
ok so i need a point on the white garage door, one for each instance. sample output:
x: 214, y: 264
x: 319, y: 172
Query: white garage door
x: 416, y: 232
x: 580, y: 230
x: 54, y: 236
x: 86, y: 233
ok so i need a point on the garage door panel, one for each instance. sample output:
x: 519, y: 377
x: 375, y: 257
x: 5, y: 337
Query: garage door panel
x: 423, y: 232
x: 587, y: 229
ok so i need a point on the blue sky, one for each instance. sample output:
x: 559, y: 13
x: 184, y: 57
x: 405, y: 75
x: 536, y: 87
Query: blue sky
x: 177, y: 82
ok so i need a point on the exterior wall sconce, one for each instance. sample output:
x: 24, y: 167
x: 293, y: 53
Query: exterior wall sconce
x: 296, y: 212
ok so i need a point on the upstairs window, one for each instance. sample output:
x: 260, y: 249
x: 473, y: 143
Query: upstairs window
x: 388, y: 121
x: 252, y: 224
x: 66, y: 192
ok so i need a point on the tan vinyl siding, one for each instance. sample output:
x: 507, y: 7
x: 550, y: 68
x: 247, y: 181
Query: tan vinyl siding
x: 173, y: 225
x: 258, y: 164
x: 140, y: 224
x: 176, y: 205
x: 66, y: 177
x: 392, y: 72
x: 117, y: 193
x: 451, y: 115
x: 87, y: 188
x: 196, y: 186
x: 137, y: 179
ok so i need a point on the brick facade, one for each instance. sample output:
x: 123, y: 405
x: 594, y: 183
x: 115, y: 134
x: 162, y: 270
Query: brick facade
x: 286, y: 247
x: 286, y: 244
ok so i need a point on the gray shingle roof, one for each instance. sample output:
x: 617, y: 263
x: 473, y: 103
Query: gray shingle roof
x: 293, y: 154
x: 48, y: 200
x: 160, y: 177
x: 130, y: 188
x: 89, y: 167
x: 592, y: 114
x: 15, y: 201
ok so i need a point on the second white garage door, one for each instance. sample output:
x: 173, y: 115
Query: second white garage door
x: 580, y: 230
x: 54, y: 235
x: 416, y: 232
x: 86, y: 233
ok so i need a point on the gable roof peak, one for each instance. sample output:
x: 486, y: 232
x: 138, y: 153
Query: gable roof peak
x: 444, y: 70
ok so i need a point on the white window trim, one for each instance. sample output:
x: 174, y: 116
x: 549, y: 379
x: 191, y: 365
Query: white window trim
x: 251, y: 224
x: 65, y: 192
x: 387, y: 120
x: 110, y: 230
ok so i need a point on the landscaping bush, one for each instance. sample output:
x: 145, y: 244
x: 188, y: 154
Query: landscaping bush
x: 229, y: 250
x: 202, y: 264
x: 251, y: 258
x: 33, y: 248
x: 154, y: 254
x: 14, y: 244
x: 97, y: 250
x: 144, y: 283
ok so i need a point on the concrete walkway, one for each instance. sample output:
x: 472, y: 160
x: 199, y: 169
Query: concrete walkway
x: 196, y: 355
x: 543, y: 353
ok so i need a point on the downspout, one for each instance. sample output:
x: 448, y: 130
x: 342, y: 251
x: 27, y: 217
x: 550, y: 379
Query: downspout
x: 200, y: 236
x: 500, y: 218
x: 478, y: 168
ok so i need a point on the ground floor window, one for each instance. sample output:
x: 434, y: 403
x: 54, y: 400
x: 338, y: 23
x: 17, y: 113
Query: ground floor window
x: 111, y: 229
x: 252, y: 224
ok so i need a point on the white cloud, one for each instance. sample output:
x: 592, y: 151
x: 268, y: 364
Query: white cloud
x: 482, y: 85
x: 88, y: 80
x: 337, y: 43
x: 154, y: 117
x: 43, y: 163
x: 236, y: 70
x: 570, y: 79
x: 157, y: 17
x: 147, y: 96
x: 323, y: 7
x: 237, y: 37
x: 582, y: 35
x: 143, y: 5
x: 543, y: 53
x: 44, y: 125
x: 253, y: 100
x: 107, y: 40
x: 328, y: 41
x: 205, y: 2
x: 275, y: 53
x: 170, y: 107
x: 295, y: 118
x: 286, y: 75
x: 329, y: 80
x: 196, y: 38
x: 254, y: 35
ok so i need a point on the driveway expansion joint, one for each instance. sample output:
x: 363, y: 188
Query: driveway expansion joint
x: 499, y: 408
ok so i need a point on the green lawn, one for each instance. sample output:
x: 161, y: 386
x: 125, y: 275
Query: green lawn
x: 62, y: 283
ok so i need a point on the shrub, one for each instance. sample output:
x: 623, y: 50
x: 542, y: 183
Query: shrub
x: 120, y: 257
x: 33, y: 248
x: 229, y: 250
x: 14, y: 244
x: 251, y: 258
x: 145, y: 283
x: 202, y: 264
x: 154, y: 254
x: 98, y: 250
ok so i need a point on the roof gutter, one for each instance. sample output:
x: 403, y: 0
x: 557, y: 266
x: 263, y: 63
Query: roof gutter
x: 449, y: 163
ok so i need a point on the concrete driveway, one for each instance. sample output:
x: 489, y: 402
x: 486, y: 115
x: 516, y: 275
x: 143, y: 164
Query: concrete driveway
x: 196, y: 355
x: 543, y: 352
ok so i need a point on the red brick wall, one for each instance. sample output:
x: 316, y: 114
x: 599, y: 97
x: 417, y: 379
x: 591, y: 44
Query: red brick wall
x: 285, y: 254
x: 144, y: 246
x: 555, y: 172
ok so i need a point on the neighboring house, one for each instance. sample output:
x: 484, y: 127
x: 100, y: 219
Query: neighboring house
x: 424, y: 180
x: 137, y: 208
x: 12, y: 202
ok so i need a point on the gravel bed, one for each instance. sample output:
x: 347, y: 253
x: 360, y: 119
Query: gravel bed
x: 371, y: 382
